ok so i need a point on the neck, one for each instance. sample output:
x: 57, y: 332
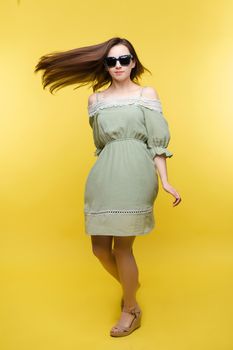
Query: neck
x: 122, y: 86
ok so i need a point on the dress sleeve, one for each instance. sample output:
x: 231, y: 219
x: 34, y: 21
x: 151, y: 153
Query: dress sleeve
x: 157, y: 130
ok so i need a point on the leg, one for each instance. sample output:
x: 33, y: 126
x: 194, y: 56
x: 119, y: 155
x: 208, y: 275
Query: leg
x: 102, y: 249
x: 127, y: 268
x: 128, y: 273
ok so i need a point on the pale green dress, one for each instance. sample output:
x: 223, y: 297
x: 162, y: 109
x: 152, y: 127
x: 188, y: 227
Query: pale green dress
x: 122, y: 185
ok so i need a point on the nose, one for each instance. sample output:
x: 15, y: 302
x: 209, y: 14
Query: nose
x: 118, y: 64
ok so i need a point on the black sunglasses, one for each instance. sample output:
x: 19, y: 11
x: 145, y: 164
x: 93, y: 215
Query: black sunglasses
x: 124, y: 60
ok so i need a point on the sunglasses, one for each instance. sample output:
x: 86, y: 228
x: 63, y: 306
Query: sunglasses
x: 124, y: 60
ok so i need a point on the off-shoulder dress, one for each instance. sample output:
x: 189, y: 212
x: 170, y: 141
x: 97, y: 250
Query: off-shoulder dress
x: 122, y: 185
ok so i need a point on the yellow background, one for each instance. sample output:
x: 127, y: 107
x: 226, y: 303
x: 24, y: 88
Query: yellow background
x: 54, y: 292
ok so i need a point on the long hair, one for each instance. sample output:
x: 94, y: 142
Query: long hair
x: 83, y: 66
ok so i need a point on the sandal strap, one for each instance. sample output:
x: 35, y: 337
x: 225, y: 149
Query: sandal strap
x: 120, y: 328
x: 133, y: 311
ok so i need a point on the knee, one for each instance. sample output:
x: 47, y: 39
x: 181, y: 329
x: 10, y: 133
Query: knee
x: 101, y: 252
x: 122, y: 251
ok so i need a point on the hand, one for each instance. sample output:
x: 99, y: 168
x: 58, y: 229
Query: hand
x: 168, y: 188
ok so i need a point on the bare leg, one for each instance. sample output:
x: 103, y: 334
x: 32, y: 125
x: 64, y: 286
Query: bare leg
x: 127, y: 268
x: 102, y: 249
x: 128, y: 273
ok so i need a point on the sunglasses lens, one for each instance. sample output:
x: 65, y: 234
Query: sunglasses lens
x: 124, y: 60
x: 110, y: 61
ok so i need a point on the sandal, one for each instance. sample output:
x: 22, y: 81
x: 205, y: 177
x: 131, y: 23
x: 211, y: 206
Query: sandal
x: 121, y: 331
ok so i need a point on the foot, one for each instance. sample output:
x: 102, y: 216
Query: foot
x: 122, y: 300
x: 130, y: 320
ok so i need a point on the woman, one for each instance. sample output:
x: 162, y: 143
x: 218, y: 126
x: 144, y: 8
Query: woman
x: 131, y: 137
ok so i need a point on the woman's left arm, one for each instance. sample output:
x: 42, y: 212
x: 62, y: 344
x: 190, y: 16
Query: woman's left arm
x: 161, y: 165
x: 158, y: 139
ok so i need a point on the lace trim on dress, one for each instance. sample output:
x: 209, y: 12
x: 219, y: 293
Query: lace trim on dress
x: 138, y: 101
x: 120, y: 211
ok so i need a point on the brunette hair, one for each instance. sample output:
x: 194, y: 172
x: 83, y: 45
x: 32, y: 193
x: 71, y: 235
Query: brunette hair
x: 83, y: 66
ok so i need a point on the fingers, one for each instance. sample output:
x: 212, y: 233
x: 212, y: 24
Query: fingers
x: 168, y: 188
x: 177, y: 197
x: 177, y: 201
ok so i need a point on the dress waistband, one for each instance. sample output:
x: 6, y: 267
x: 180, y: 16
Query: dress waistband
x: 125, y: 139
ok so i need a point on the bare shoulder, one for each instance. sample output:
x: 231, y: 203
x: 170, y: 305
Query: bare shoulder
x: 92, y: 99
x: 150, y: 92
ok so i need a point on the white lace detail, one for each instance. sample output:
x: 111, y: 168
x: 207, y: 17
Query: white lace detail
x: 121, y: 211
x: 138, y: 101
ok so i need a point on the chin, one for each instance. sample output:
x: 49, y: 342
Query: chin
x: 120, y: 77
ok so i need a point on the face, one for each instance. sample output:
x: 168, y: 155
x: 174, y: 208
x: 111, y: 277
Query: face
x: 120, y: 72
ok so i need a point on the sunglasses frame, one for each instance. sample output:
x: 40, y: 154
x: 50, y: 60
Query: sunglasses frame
x: 118, y: 59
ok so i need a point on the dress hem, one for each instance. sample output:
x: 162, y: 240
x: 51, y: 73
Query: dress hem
x: 119, y: 225
x: 121, y: 235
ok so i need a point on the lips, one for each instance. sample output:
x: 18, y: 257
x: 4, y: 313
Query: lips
x: 119, y: 72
